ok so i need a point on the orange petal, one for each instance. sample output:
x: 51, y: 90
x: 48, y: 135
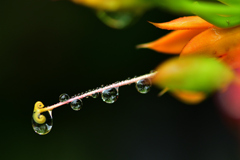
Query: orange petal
x: 183, y: 23
x: 189, y: 97
x: 215, y: 42
x: 172, y: 43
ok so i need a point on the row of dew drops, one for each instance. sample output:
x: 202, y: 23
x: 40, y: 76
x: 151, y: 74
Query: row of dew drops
x: 109, y: 96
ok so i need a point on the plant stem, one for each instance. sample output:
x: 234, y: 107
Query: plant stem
x: 114, y: 85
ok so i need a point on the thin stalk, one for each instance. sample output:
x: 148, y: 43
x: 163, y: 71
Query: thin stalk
x: 114, y: 85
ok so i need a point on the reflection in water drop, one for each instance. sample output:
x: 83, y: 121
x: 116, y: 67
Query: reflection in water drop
x: 95, y: 95
x: 143, y: 86
x: 118, y: 20
x: 46, y: 127
x: 63, y: 97
x: 110, y: 95
x: 76, y: 105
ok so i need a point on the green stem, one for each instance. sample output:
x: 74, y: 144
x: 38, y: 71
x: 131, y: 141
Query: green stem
x: 218, y: 14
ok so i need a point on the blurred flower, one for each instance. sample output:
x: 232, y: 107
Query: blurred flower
x: 114, y: 5
x: 230, y: 98
x: 193, y: 73
x: 195, y: 36
x: 117, y: 13
x: 190, y: 78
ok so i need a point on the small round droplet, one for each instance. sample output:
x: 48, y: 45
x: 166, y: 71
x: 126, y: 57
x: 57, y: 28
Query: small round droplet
x: 63, y: 97
x: 46, y: 127
x: 76, y: 105
x: 152, y: 71
x: 102, y: 86
x: 129, y: 78
x: 110, y: 95
x: 86, y: 93
x: 95, y: 95
x: 143, y: 86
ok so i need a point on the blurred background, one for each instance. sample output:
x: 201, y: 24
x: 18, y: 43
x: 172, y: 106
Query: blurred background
x: 52, y: 47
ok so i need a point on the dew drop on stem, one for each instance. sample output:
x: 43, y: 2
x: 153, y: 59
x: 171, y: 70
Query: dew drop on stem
x: 64, y: 97
x: 76, y: 105
x: 143, y: 86
x: 110, y: 95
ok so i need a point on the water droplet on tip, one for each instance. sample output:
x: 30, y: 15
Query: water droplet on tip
x: 46, y: 127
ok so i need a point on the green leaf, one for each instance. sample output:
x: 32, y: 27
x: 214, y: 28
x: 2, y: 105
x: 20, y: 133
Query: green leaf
x: 193, y: 73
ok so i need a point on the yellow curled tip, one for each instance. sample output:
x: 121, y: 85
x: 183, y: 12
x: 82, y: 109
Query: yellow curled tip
x: 38, y: 108
x: 38, y: 105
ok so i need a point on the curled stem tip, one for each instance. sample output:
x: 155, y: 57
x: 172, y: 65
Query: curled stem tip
x: 38, y: 118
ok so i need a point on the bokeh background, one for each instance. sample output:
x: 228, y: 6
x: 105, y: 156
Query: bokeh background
x: 53, y: 47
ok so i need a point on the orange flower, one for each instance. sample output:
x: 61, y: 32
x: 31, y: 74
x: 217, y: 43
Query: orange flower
x: 195, y: 36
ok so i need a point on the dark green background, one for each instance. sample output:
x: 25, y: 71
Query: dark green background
x: 48, y: 48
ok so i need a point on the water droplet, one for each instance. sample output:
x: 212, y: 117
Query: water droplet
x: 63, y: 97
x: 95, y: 95
x: 76, y: 105
x: 102, y: 86
x: 79, y: 94
x: 129, y: 78
x: 110, y: 95
x: 46, y: 127
x: 118, y: 20
x: 86, y: 93
x: 152, y: 71
x: 143, y: 86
